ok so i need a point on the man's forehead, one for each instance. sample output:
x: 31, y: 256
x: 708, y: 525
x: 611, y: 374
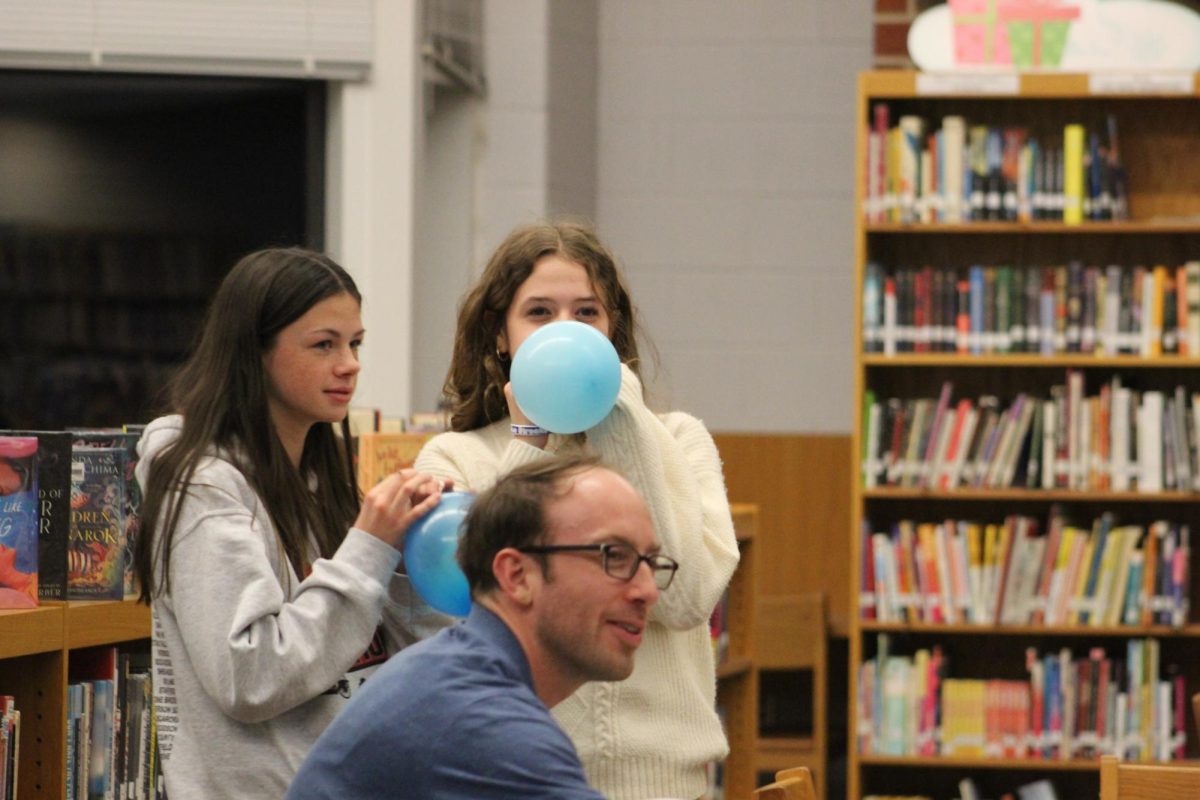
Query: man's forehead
x: 600, y: 506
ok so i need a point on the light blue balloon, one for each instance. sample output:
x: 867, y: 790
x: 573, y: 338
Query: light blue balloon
x: 429, y: 555
x: 566, y: 376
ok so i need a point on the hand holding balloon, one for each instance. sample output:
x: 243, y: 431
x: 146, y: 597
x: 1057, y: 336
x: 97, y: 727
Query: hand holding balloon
x: 566, y: 376
x: 396, y: 502
x: 429, y: 555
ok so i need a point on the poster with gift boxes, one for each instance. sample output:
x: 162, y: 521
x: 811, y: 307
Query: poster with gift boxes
x: 1067, y: 35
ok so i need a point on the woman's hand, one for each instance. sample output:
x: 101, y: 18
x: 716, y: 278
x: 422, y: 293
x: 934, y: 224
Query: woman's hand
x: 398, y: 501
x: 518, y: 418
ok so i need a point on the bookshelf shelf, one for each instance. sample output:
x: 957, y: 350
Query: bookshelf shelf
x: 1150, y: 227
x: 733, y: 667
x: 1029, y: 495
x: 35, y: 648
x: 1027, y: 86
x: 960, y: 763
x: 1161, y: 170
x: 97, y: 622
x: 949, y: 762
x: 1059, y: 362
x: 946, y: 629
x: 29, y: 631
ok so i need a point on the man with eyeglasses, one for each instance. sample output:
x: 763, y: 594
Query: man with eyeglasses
x: 563, y: 566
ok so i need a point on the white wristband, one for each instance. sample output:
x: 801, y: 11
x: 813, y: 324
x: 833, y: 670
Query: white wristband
x: 528, y: 430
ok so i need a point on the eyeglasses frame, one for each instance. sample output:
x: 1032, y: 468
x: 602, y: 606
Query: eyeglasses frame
x: 658, y: 563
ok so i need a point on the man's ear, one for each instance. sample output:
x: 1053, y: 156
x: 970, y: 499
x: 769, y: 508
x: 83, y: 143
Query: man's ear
x: 514, y: 576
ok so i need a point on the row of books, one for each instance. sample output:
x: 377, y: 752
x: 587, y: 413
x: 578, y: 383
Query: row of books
x: 40, y: 262
x: 48, y: 391
x: 1068, y: 708
x: 1009, y: 574
x: 10, y: 747
x: 1118, y: 439
x: 1065, y: 308
x: 121, y: 327
x: 964, y: 171
x: 967, y: 790
x: 69, y: 507
x: 112, y: 751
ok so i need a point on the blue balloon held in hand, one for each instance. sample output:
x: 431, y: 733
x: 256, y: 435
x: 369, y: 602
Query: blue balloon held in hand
x: 566, y: 376
x: 429, y: 549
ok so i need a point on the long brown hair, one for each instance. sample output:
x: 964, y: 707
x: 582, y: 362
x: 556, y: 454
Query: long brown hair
x: 474, y: 385
x: 221, y: 392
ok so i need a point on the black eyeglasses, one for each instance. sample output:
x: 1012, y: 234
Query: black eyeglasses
x: 618, y: 560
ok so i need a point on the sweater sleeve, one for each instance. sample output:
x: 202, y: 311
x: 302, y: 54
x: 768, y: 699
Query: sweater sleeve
x: 674, y: 463
x: 474, y: 460
x: 256, y: 651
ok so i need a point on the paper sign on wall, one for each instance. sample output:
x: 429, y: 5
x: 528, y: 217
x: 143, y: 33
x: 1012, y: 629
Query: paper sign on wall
x: 1066, y: 35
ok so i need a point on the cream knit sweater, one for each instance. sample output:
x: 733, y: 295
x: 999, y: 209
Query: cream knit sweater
x: 652, y: 734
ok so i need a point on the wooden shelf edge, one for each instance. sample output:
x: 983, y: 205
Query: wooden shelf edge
x: 1159, y: 631
x: 733, y: 667
x: 1149, y: 226
x: 30, y: 631
x: 745, y: 520
x: 1033, y: 764
x: 1027, y: 360
x: 901, y: 84
x: 98, y: 622
x: 799, y: 744
x: 1030, y: 495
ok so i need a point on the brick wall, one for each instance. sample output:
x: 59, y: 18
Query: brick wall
x: 892, y: 18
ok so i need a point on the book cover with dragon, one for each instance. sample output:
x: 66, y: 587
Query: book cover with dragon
x: 125, y: 438
x: 96, y: 545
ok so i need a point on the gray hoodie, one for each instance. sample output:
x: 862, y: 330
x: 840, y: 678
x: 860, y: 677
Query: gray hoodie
x: 250, y: 662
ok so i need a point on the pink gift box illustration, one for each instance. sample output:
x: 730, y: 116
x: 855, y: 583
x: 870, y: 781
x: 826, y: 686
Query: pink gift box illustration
x: 980, y: 37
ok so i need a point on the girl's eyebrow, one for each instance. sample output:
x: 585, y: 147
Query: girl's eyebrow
x: 335, y: 333
x: 591, y: 298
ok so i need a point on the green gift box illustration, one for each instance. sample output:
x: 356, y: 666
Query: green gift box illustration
x: 1037, y: 30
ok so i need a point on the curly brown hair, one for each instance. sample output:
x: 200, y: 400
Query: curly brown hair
x: 474, y: 387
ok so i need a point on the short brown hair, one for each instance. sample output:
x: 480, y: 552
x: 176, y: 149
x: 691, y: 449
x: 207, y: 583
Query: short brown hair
x: 513, y: 514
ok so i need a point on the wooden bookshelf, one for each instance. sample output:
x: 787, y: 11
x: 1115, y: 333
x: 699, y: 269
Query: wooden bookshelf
x: 35, y: 648
x: 1157, y: 144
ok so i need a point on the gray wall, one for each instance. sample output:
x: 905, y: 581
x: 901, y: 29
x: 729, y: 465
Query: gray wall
x: 713, y: 144
x: 726, y: 185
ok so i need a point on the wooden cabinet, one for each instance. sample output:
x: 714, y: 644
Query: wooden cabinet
x: 1161, y: 163
x: 737, y: 678
x: 790, y: 657
x: 35, y: 648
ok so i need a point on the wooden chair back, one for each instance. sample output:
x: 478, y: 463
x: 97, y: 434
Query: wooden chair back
x: 789, y: 789
x: 1121, y: 781
x: 794, y: 783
